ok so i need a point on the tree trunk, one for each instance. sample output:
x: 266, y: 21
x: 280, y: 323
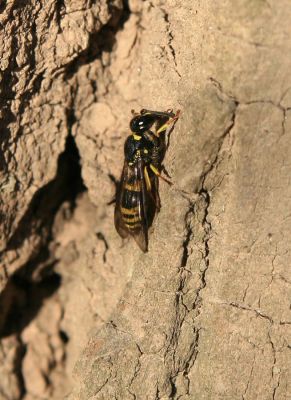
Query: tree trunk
x: 205, y: 314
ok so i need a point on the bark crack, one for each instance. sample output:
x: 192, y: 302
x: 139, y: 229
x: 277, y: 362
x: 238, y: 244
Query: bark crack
x: 101, y: 237
x: 237, y: 102
x: 170, y: 41
x: 203, y: 203
x: 249, y: 379
x: 181, y: 313
x: 135, y: 373
x: 275, y: 370
x: 258, y: 312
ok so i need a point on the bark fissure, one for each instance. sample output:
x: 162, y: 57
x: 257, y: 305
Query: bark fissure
x: 275, y: 374
x: 39, y: 216
x: 35, y: 281
x: 259, y: 313
x: 101, y: 237
x: 103, y: 40
x: 203, y: 202
x: 18, y: 367
x: 135, y: 374
x: 37, y: 223
x: 170, y: 41
x: 249, y: 379
x: 189, y: 236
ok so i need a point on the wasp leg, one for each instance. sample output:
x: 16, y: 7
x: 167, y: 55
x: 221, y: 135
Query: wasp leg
x: 157, y: 197
x: 156, y: 172
x: 170, y: 122
x: 112, y: 201
x: 147, y: 179
x: 163, y: 169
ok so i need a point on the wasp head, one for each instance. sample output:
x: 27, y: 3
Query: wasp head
x: 142, y: 123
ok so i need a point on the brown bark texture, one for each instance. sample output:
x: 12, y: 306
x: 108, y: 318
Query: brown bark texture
x: 206, y: 313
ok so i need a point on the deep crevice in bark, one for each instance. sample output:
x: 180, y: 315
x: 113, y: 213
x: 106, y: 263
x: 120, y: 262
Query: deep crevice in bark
x: 103, y: 40
x: 21, y: 350
x: 27, y: 289
x: 36, y: 280
x: 38, y: 221
x: 40, y: 214
x: 189, y: 361
x: 22, y: 298
x: 203, y: 204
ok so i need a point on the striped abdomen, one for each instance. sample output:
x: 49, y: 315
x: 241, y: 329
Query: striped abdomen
x: 131, y: 205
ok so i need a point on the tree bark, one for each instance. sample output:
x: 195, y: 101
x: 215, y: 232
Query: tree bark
x: 205, y: 314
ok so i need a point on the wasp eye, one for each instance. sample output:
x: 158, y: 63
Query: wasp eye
x: 141, y: 123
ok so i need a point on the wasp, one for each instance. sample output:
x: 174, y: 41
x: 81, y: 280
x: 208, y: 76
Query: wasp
x: 137, y: 197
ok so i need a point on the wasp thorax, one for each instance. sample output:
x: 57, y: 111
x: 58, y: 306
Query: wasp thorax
x: 142, y: 123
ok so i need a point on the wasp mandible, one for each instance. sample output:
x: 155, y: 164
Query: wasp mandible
x: 137, y: 198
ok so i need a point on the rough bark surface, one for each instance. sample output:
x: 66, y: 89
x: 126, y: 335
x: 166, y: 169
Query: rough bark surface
x: 205, y: 314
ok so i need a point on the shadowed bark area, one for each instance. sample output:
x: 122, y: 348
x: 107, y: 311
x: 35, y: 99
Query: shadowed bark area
x: 205, y: 314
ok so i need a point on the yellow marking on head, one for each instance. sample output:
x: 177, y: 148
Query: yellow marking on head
x: 145, y: 151
x: 147, y: 179
x: 135, y: 187
x: 136, y: 137
x: 130, y: 163
x: 130, y: 211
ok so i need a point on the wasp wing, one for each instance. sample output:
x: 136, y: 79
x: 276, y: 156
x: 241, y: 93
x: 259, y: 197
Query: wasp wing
x: 132, y: 200
x: 141, y: 234
x: 154, y: 204
x: 149, y: 203
x: 118, y: 220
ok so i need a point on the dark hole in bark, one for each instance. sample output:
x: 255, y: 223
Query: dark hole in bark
x: 65, y: 338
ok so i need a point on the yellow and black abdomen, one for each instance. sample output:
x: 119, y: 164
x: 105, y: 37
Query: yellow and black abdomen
x: 131, y: 205
x: 135, y: 205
